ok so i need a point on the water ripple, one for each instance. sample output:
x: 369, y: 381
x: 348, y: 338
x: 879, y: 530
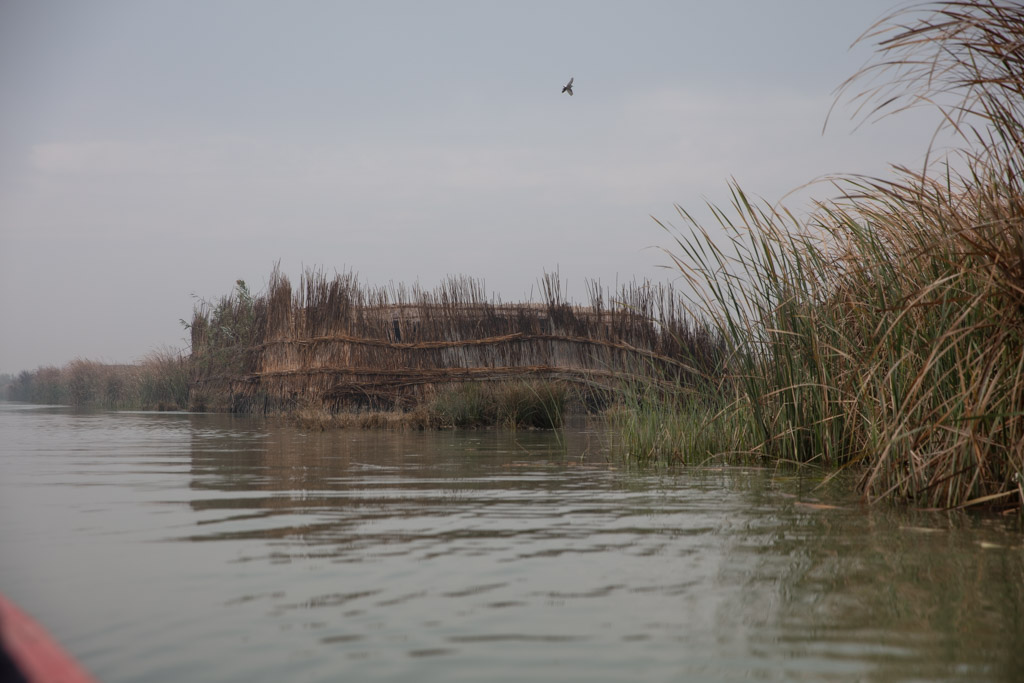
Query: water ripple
x: 191, y: 547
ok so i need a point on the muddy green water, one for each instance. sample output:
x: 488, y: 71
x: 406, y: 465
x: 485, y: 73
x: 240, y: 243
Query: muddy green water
x: 163, y: 547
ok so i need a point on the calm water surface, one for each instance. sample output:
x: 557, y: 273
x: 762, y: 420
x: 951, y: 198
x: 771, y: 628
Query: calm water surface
x: 172, y: 547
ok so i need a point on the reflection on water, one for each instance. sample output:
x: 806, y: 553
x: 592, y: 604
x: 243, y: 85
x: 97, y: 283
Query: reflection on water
x: 200, y: 547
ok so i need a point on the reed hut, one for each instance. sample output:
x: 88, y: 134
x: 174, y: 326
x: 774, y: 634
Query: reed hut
x: 334, y: 343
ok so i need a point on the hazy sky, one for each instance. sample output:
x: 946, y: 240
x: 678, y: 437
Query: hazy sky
x: 153, y: 151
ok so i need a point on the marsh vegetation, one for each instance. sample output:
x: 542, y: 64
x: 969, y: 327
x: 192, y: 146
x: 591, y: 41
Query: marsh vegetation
x: 885, y: 332
x: 160, y: 381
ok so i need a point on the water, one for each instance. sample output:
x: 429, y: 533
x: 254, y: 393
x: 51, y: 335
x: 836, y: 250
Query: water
x: 172, y: 547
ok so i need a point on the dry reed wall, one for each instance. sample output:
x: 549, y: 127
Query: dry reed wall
x: 335, y: 343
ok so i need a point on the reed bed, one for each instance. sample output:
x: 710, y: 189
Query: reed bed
x: 159, y: 382
x: 886, y: 332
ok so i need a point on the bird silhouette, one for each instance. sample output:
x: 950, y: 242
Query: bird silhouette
x: 568, y: 87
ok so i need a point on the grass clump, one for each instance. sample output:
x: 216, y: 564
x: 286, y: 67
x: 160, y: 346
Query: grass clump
x: 317, y: 418
x: 683, y: 425
x: 886, y: 332
x: 515, y: 404
x: 511, y: 405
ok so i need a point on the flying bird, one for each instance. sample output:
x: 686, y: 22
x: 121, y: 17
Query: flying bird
x: 568, y: 87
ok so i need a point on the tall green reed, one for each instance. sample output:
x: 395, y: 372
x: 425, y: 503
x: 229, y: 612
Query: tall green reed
x: 887, y: 330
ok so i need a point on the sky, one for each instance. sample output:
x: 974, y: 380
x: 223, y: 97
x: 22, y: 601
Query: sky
x: 154, y: 152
